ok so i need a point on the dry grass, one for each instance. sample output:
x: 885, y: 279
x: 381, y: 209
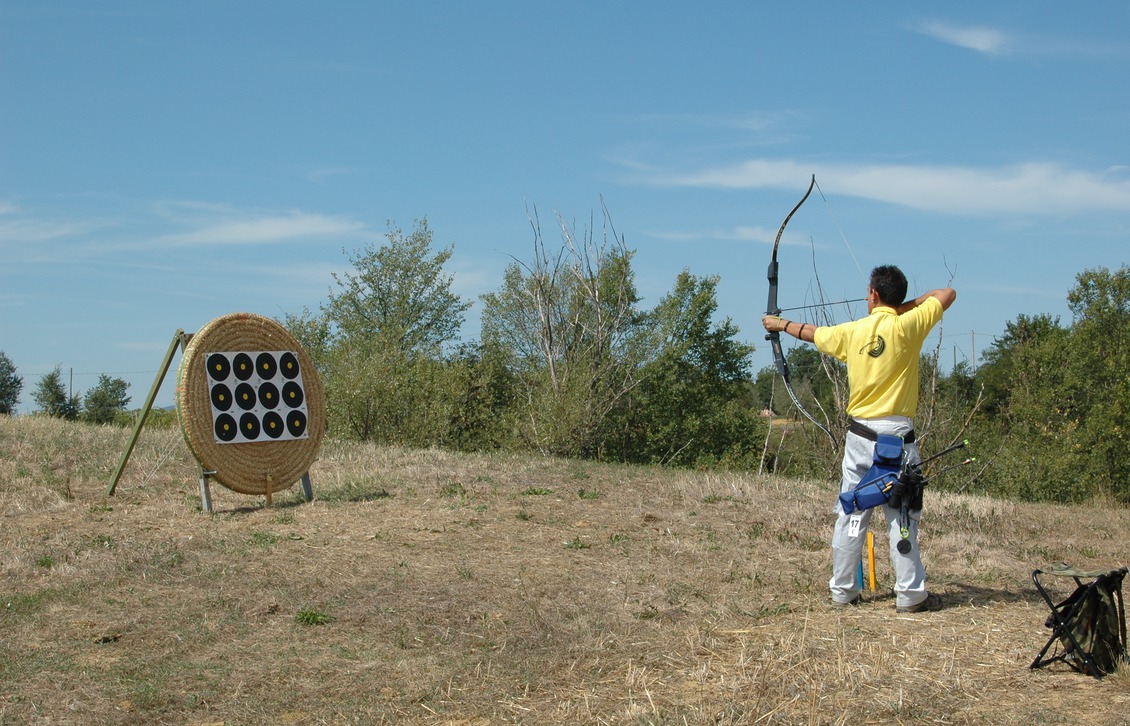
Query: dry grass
x: 429, y: 587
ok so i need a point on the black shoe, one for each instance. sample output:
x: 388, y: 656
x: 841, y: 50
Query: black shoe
x: 931, y: 603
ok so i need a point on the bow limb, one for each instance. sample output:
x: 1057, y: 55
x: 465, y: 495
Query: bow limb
x: 773, y: 308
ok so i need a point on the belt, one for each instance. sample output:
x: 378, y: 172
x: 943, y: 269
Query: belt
x: 860, y: 429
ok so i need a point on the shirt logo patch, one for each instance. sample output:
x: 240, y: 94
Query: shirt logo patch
x: 874, y: 347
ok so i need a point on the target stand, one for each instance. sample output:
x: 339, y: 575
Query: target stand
x: 250, y: 406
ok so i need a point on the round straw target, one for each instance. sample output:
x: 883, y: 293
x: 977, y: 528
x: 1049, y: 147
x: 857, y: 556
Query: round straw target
x: 250, y: 404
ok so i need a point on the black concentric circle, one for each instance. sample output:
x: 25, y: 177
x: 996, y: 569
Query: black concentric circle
x: 245, y: 396
x: 273, y: 425
x: 288, y: 366
x: 269, y: 395
x: 225, y: 427
x: 243, y: 366
x: 292, y: 394
x: 249, y: 426
x: 221, y: 397
x: 266, y: 366
x: 218, y: 367
x: 296, y: 423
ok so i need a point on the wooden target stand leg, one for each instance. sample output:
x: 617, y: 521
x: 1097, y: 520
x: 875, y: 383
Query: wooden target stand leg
x: 181, y: 340
x: 206, y: 490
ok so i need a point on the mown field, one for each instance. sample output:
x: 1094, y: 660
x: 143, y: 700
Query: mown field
x: 429, y: 587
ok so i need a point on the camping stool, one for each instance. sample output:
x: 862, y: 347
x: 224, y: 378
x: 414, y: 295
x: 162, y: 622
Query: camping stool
x: 1090, y: 625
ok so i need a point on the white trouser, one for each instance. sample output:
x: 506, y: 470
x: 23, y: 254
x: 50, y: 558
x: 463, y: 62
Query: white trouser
x: 851, y: 529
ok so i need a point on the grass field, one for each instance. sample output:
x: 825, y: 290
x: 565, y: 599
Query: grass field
x: 429, y: 587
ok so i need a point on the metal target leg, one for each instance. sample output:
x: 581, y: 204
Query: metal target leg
x: 205, y: 492
x: 307, y: 488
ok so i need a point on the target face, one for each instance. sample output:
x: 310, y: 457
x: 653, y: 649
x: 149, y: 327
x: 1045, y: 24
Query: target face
x: 256, y: 396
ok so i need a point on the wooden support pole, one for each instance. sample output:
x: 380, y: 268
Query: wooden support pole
x: 178, y: 340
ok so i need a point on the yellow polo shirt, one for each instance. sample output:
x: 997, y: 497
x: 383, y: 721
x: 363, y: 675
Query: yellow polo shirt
x: 881, y: 352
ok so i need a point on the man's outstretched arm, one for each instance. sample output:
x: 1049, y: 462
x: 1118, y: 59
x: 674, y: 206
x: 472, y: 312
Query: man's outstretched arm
x: 800, y: 331
x: 944, y: 295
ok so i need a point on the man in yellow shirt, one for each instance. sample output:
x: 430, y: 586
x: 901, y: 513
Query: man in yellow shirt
x: 881, y: 352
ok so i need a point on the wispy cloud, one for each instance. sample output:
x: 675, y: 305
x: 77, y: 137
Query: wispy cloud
x: 38, y: 238
x: 1028, y: 188
x: 979, y: 38
x: 32, y: 231
x: 323, y: 173
x: 311, y: 279
x: 747, y: 121
x: 262, y: 230
x: 997, y: 42
x: 743, y: 233
x: 12, y: 301
x: 19, y: 228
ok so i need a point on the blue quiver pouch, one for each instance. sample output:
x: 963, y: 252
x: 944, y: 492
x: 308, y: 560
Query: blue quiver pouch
x: 876, y: 485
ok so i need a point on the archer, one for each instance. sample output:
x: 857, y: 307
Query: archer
x: 881, y: 352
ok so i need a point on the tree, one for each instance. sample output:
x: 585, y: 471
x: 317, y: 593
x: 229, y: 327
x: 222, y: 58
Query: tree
x: 1057, y: 398
x: 819, y: 380
x: 10, y: 385
x: 378, y: 393
x: 694, y: 403
x: 1002, y: 360
x: 1097, y: 380
x: 378, y: 342
x: 567, y: 323
x: 484, y: 419
x: 51, y: 396
x: 312, y: 331
x: 399, y: 292
x: 104, y: 402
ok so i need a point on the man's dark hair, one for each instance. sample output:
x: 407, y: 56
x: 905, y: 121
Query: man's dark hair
x: 890, y: 283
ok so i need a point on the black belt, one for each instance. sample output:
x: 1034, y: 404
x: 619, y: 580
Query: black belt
x: 859, y: 429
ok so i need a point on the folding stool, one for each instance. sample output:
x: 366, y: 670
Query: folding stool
x: 1089, y: 627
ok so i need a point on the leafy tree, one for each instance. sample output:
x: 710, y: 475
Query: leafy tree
x: 10, y: 385
x: 375, y: 392
x: 378, y: 342
x: 399, y: 291
x: 484, y: 418
x: 820, y: 383
x: 104, y: 402
x: 1035, y: 456
x: 763, y: 388
x: 312, y: 331
x: 1058, y: 397
x: 1098, y: 383
x: 51, y: 396
x: 693, y: 404
x: 1000, y: 362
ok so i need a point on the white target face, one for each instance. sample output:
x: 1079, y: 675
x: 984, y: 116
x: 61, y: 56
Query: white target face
x: 256, y: 396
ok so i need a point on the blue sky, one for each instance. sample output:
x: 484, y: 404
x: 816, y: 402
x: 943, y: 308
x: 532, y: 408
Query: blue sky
x: 165, y: 163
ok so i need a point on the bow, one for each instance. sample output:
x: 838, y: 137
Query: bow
x: 772, y: 308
